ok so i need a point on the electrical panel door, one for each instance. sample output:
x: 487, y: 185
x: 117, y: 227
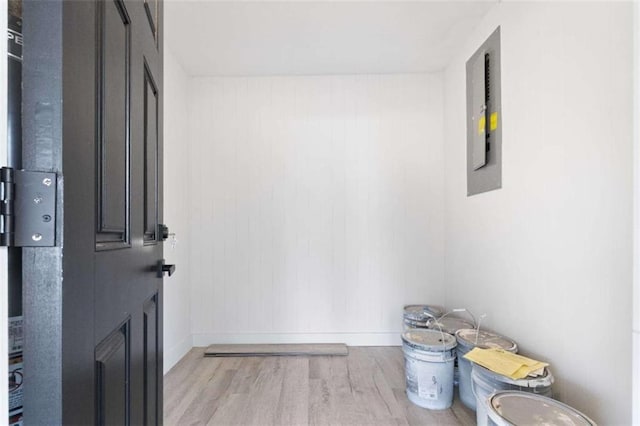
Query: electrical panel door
x: 484, y: 111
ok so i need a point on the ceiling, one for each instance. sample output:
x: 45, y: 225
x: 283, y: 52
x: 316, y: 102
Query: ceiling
x: 300, y: 37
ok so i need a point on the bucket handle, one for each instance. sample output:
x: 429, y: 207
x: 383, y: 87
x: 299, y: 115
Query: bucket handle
x: 454, y: 310
x: 442, y: 338
x: 476, y: 324
x: 478, y: 327
x: 431, y: 320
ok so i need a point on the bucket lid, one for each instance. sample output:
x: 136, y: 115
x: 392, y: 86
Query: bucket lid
x: 421, y: 312
x: 429, y: 340
x: 543, y: 381
x: 450, y: 324
x: 523, y: 408
x: 486, y: 339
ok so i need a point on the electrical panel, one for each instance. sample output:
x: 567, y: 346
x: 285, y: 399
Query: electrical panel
x: 484, y: 116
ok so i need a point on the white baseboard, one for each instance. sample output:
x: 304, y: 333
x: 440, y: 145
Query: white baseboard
x: 173, y: 355
x: 350, y: 339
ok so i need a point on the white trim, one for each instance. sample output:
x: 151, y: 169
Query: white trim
x: 350, y: 339
x: 4, y: 279
x: 175, y: 354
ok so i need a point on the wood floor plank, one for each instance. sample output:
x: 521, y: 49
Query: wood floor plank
x: 293, y: 406
x: 465, y: 416
x: 319, y: 367
x: 392, y: 365
x: 371, y: 390
x: 205, y: 404
x: 320, y: 412
x: 237, y: 397
x: 182, y: 369
x: 419, y: 416
x: 264, y: 396
x: 386, y: 395
x: 246, y: 375
x: 343, y: 400
x: 228, y: 413
x: 193, y: 385
x: 179, y: 380
x: 367, y: 387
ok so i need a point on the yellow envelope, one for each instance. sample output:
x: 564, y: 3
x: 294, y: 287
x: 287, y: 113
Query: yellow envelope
x: 506, y: 363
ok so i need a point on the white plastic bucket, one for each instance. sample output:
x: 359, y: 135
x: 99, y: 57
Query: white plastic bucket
x: 484, y: 382
x: 509, y: 408
x: 429, y: 357
x: 468, y: 339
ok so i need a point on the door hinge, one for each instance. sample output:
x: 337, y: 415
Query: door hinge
x: 27, y: 208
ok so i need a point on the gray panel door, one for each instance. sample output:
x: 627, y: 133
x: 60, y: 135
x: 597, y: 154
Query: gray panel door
x: 106, y: 105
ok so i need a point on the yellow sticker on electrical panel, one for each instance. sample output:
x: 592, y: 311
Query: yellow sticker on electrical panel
x: 482, y: 125
x: 493, y: 121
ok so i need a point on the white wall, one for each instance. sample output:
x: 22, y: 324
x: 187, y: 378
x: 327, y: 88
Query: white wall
x: 317, y: 206
x: 177, y: 327
x: 549, y: 256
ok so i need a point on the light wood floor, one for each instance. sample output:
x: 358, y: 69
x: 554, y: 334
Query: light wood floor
x: 364, y: 388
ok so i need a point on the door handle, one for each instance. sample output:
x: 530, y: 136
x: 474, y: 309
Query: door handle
x: 163, y: 267
x: 163, y: 230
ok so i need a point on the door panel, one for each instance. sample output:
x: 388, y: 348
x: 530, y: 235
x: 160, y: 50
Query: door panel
x: 151, y: 158
x: 151, y: 364
x: 114, y: 73
x: 113, y: 364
